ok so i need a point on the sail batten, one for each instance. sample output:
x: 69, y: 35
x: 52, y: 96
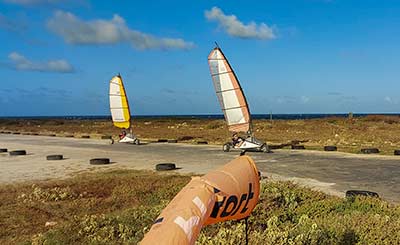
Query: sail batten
x: 217, y: 74
x: 229, y: 92
x: 119, y: 105
x: 233, y: 108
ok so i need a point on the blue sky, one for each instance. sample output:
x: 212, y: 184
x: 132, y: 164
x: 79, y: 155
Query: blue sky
x: 298, y: 56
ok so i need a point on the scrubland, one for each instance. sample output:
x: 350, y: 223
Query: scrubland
x: 118, y: 207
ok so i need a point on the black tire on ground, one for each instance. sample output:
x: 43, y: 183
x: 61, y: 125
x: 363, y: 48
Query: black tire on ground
x: 136, y: 142
x: 85, y: 136
x: 226, y: 147
x: 54, y: 157
x: 16, y: 133
x: 202, y: 142
x: 36, y: 134
x: 183, y: 138
x: 172, y: 141
x: 17, y: 153
x: 275, y: 147
x: 162, y: 140
x: 295, y: 142
x: 3, y: 150
x: 370, y: 150
x: 298, y: 147
x: 7, y: 132
x: 396, y: 152
x: 330, y: 148
x: 99, y: 161
x: 106, y: 137
x: 353, y: 193
x: 165, y: 166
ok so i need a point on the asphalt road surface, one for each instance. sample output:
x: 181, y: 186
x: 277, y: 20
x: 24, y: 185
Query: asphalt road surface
x: 331, y: 172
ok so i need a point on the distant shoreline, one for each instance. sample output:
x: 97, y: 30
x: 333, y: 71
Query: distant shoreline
x: 207, y: 116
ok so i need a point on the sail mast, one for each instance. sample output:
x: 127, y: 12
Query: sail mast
x: 229, y: 92
x: 119, y: 105
x: 127, y: 101
x: 241, y: 90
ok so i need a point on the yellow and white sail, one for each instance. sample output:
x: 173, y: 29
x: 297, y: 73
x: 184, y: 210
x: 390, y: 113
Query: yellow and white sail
x: 229, y: 92
x: 119, y: 105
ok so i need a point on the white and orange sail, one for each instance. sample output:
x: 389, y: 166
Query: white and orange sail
x: 119, y: 105
x: 229, y: 92
x: 228, y: 193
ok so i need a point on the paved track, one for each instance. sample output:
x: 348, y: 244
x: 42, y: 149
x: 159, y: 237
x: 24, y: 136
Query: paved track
x: 331, y: 172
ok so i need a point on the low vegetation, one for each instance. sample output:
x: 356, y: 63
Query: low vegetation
x: 118, y: 207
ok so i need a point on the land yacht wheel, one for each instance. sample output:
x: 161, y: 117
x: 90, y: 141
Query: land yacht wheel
x: 226, y: 147
x: 264, y: 148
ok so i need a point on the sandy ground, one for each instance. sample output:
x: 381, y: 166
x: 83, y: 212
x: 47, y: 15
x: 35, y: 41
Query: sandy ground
x: 331, y: 172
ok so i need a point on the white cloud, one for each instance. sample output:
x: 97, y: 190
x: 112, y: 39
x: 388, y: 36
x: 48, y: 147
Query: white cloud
x: 234, y: 27
x: 76, y: 31
x: 20, y: 62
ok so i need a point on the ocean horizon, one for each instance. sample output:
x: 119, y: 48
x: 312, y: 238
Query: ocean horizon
x: 206, y: 116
